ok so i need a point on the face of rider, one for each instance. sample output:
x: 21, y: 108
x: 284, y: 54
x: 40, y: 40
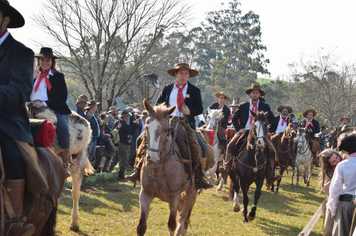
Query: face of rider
x: 310, y: 115
x: 222, y: 100
x: 255, y: 95
x: 345, y: 121
x: 45, y: 63
x: 334, y: 160
x: 182, y: 76
x: 284, y: 112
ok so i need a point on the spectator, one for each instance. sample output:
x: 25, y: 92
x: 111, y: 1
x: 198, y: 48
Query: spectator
x: 112, y: 116
x: 81, y: 103
x: 95, y: 127
x: 322, y: 138
x: 342, y: 188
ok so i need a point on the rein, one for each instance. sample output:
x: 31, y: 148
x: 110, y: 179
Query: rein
x: 306, y: 147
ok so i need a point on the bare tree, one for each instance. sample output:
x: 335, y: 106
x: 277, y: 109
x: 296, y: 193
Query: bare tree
x: 324, y: 85
x: 109, y: 41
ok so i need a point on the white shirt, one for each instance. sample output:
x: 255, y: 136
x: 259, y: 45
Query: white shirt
x: 173, y: 99
x: 343, y: 182
x: 41, y: 93
x: 247, y: 126
x: 281, y: 128
x: 2, y: 39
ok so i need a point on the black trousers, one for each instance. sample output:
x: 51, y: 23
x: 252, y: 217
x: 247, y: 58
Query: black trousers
x: 14, y: 164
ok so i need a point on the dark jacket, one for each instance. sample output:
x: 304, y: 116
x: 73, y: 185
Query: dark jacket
x: 81, y: 112
x: 243, y: 113
x: 94, y: 125
x: 226, y: 111
x: 16, y: 81
x: 274, y: 125
x: 125, y: 133
x: 57, y: 96
x: 316, y: 128
x: 193, y: 101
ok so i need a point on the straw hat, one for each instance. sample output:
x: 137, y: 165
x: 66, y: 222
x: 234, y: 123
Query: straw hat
x: 91, y: 103
x: 255, y: 86
x: 346, y: 128
x: 234, y: 104
x: 345, y: 117
x: 223, y: 94
x: 309, y: 110
x: 111, y: 109
x: 82, y: 99
x: 182, y: 66
x: 281, y: 107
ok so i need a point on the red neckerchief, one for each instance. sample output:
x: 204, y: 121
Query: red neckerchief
x: 283, y: 120
x: 3, y: 33
x: 309, y: 122
x: 43, y: 75
x: 180, y: 98
x: 230, y: 117
x: 254, y: 109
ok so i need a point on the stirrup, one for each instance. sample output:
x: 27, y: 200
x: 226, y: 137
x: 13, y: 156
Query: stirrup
x: 67, y: 170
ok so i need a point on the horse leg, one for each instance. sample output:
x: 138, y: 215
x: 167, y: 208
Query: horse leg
x: 309, y: 175
x: 306, y: 167
x: 298, y: 173
x: 236, y: 201
x: 244, y: 188
x: 77, y: 174
x: 174, y: 205
x: 279, y: 181
x: 145, y: 202
x: 252, y: 213
x: 184, y: 218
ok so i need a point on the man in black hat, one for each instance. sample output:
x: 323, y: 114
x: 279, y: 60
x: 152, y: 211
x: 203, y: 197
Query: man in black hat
x: 81, y: 103
x: 125, y: 133
x: 16, y: 66
x: 280, y: 122
x: 95, y: 127
x: 242, y: 120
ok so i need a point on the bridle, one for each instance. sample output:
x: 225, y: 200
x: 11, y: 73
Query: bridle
x: 304, y: 144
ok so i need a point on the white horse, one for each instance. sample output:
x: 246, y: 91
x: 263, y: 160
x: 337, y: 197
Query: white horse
x: 80, y: 135
x: 213, y: 124
x: 304, y: 157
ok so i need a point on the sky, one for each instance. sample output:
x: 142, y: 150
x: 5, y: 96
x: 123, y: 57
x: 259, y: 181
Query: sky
x: 291, y: 30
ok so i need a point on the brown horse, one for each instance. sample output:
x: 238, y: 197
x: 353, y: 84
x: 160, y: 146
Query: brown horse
x: 163, y: 174
x: 54, y: 173
x: 250, y: 165
x: 285, y: 149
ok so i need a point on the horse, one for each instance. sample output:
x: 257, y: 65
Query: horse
x: 163, y: 174
x: 54, y: 173
x: 333, y: 136
x: 304, y: 157
x: 250, y: 165
x: 285, y: 149
x: 214, y: 125
x: 80, y: 135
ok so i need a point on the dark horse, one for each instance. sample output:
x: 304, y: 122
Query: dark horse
x: 163, y: 174
x: 285, y: 149
x: 250, y: 165
x: 45, y: 224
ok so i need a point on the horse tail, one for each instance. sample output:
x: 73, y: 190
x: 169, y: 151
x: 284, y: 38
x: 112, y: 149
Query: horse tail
x: 89, y: 169
x: 50, y: 226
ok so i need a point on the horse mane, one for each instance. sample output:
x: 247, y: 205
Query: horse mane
x: 160, y: 112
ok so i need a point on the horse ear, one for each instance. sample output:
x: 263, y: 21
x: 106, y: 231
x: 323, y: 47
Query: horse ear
x: 147, y: 106
x: 171, y: 110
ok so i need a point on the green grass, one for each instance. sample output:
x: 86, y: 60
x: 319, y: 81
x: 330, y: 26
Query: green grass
x: 113, y: 209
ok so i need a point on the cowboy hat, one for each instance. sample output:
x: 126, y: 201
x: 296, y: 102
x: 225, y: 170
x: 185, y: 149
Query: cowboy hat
x: 111, y: 109
x: 16, y: 19
x: 345, y: 117
x: 82, y: 99
x: 223, y: 94
x: 281, y: 107
x: 182, y: 66
x: 91, y: 103
x: 144, y: 114
x: 46, y: 52
x: 125, y: 114
x: 309, y: 110
x: 234, y: 104
x: 257, y: 87
x: 346, y: 128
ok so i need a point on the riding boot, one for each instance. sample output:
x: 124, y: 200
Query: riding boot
x: 66, y: 161
x: 15, y: 189
x: 106, y: 165
x: 225, y: 168
x: 200, y: 176
x: 135, y: 176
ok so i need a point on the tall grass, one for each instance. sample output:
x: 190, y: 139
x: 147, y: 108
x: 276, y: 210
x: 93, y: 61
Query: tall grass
x: 113, y: 209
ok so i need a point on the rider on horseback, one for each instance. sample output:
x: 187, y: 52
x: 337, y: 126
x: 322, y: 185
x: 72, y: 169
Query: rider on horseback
x: 18, y: 156
x: 188, y: 100
x: 224, y: 119
x: 245, y: 119
x: 312, y: 127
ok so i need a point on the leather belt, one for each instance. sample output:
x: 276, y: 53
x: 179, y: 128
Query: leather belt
x: 345, y: 197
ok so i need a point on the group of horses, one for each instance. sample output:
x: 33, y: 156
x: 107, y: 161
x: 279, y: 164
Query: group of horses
x: 164, y: 175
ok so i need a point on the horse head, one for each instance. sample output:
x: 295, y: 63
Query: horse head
x: 213, y: 117
x: 291, y: 129
x: 259, y: 128
x: 157, y: 131
x: 301, y: 138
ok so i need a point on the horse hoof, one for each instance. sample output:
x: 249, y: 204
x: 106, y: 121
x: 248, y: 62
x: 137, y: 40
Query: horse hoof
x: 245, y: 220
x: 236, y: 208
x: 250, y: 218
x: 276, y: 193
x: 74, y: 228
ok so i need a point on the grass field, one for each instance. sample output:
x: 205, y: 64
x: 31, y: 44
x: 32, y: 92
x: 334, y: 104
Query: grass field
x: 113, y: 209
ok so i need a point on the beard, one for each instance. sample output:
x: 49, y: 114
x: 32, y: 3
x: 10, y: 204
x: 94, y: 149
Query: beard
x: 284, y: 116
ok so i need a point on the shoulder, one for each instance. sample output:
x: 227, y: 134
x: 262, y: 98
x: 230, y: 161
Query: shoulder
x: 19, y: 48
x: 245, y: 104
x: 264, y: 104
x: 192, y: 87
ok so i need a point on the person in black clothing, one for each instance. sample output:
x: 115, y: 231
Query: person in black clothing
x: 242, y: 120
x: 134, y: 123
x: 223, y: 120
x: 125, y: 133
x: 95, y: 127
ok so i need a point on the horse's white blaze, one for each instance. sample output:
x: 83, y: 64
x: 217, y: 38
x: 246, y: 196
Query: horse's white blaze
x: 260, y: 135
x: 153, y: 140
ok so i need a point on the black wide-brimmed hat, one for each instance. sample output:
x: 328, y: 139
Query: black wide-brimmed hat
x: 16, y: 19
x: 91, y: 103
x: 125, y: 114
x: 46, y: 52
x: 281, y: 107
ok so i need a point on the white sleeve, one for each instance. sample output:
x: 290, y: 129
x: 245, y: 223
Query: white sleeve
x: 336, y: 188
